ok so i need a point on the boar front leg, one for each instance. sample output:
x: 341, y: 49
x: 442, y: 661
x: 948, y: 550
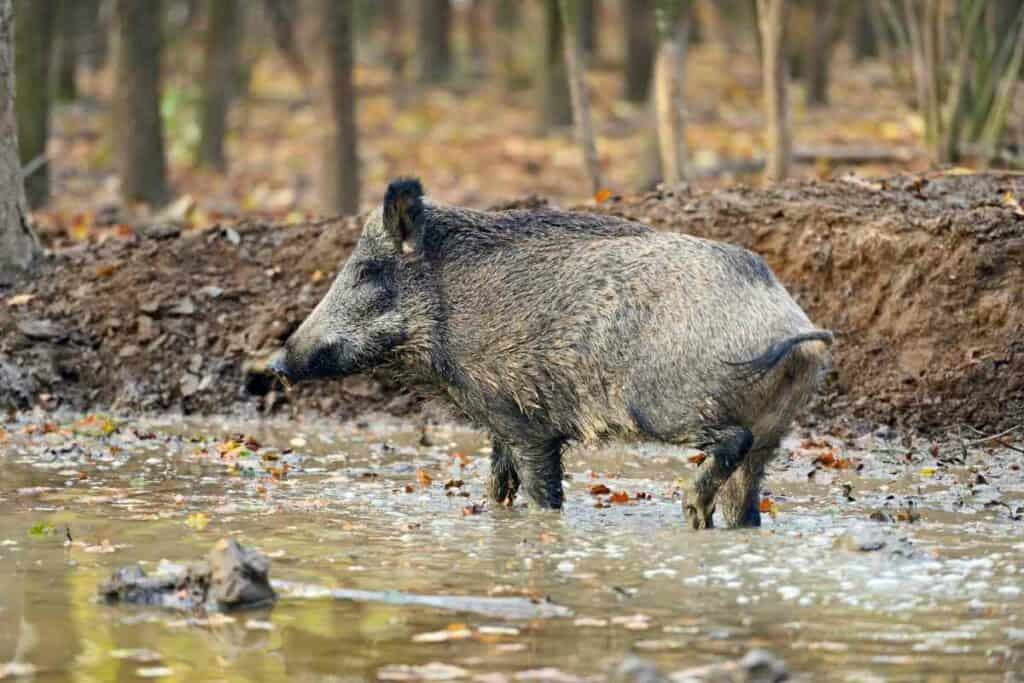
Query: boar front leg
x: 504, y: 482
x: 540, y: 472
x: 726, y: 448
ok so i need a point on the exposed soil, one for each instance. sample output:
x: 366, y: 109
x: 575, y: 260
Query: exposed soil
x: 922, y: 277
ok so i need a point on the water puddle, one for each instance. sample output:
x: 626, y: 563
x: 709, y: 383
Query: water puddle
x: 875, y: 561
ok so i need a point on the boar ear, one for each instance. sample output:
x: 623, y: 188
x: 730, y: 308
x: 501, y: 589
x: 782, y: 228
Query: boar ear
x: 403, y: 209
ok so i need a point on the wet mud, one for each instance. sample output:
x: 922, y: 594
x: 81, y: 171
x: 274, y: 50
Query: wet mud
x: 880, y: 558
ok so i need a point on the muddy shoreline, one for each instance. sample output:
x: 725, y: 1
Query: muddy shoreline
x: 922, y: 278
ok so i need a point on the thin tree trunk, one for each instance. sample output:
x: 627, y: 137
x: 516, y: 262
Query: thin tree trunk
x: 19, y: 247
x: 138, y: 126
x: 219, y: 75
x: 578, y: 88
x: 66, y: 53
x: 865, y: 43
x: 434, y: 48
x: 506, y: 25
x: 668, y: 90
x: 555, y: 105
x: 771, y: 17
x: 341, y: 158
x: 33, y: 37
x: 638, y: 22
x: 823, y: 37
x: 588, y: 28
x: 477, y: 37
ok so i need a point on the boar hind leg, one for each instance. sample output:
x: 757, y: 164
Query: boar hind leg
x: 726, y: 448
x: 504, y: 482
x: 540, y: 472
x: 739, y: 499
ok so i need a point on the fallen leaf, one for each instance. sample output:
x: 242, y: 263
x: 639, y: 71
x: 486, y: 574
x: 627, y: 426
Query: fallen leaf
x: 602, y: 195
x: 40, y: 529
x: 620, y: 497
x: 94, y: 425
x: 599, y: 490
x: 198, y: 521
x: 474, y: 509
x: 767, y: 506
x: 453, y: 632
x: 20, y: 299
x: 423, y: 478
x: 698, y: 458
x: 928, y: 472
x: 1012, y: 202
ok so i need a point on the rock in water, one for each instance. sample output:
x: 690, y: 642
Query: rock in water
x: 239, y: 577
x: 232, y: 577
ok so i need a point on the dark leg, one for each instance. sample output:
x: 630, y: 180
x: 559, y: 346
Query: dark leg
x: 740, y: 497
x: 540, y: 471
x: 504, y: 482
x: 726, y: 448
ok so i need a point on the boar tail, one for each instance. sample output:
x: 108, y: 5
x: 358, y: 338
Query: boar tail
x: 403, y: 206
x: 758, y: 367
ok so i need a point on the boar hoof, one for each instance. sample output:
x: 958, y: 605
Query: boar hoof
x: 698, y: 516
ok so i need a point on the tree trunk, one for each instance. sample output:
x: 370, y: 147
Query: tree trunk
x: 33, y: 36
x: 506, y: 27
x: 865, y: 43
x: 477, y: 33
x: 219, y: 75
x: 434, y: 47
x: 555, y: 106
x: 822, y: 40
x: 578, y: 88
x: 138, y: 126
x: 668, y: 90
x: 19, y: 247
x: 588, y: 28
x: 771, y: 19
x: 341, y: 158
x: 93, y: 33
x: 66, y: 52
x: 638, y: 22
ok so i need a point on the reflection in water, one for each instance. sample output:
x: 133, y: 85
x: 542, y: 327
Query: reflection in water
x: 345, y: 507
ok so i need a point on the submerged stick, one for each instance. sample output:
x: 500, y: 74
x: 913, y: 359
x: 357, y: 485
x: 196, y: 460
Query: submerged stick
x: 500, y: 608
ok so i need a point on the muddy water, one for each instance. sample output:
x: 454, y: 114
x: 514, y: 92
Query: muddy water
x: 933, y: 592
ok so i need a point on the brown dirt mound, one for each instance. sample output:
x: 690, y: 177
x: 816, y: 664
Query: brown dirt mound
x: 921, y: 277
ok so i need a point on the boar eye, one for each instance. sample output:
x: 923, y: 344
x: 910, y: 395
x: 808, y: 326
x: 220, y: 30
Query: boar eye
x: 369, y: 272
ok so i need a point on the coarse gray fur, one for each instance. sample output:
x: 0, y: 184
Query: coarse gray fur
x: 548, y: 328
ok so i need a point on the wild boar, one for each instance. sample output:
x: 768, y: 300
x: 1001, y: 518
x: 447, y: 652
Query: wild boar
x: 549, y: 328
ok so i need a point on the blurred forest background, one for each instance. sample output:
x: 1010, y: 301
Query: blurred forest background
x: 199, y: 112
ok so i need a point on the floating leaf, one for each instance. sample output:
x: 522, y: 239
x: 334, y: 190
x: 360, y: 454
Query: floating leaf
x: 599, y: 490
x: 94, y: 425
x: 768, y: 507
x: 198, y: 521
x: 41, y: 529
x: 698, y: 458
x: 602, y: 195
x: 423, y: 478
x: 928, y: 472
x: 620, y: 497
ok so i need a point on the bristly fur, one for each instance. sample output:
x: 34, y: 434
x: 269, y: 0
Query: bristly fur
x: 546, y: 327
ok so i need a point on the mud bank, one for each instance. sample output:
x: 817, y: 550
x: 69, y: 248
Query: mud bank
x: 922, y: 277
